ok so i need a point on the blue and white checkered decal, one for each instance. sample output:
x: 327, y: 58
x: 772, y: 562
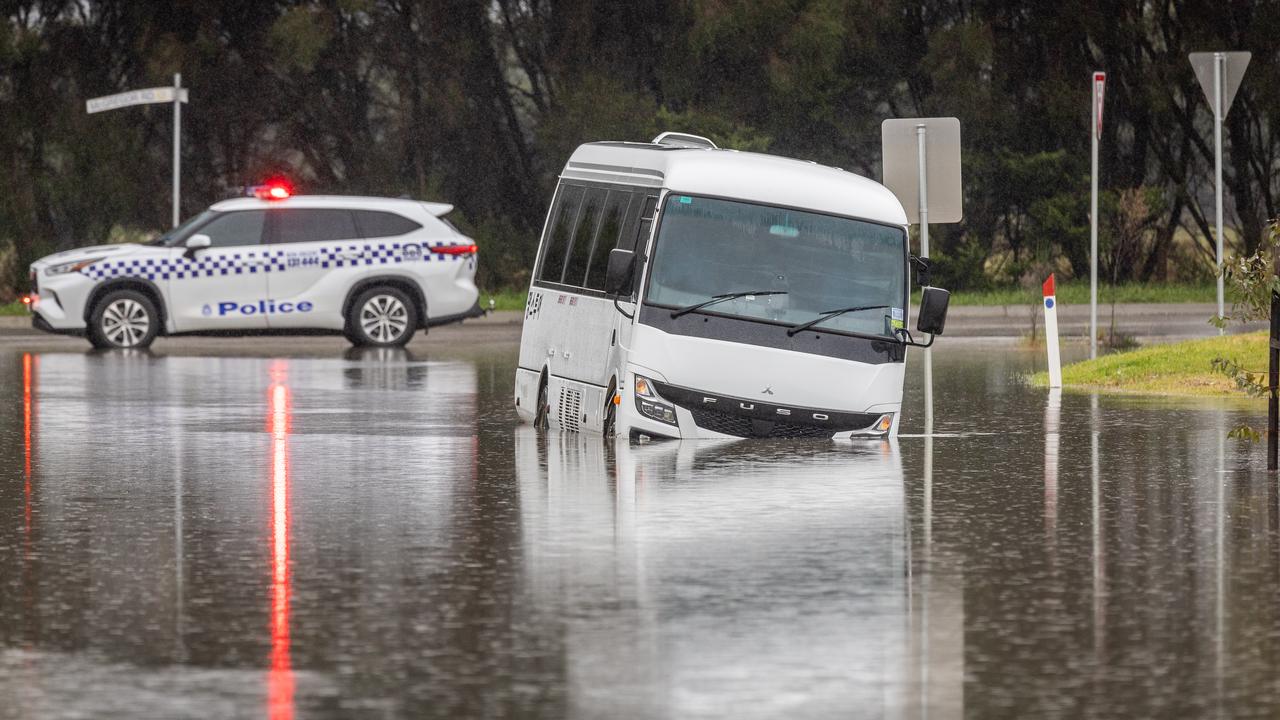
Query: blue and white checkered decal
x: 266, y: 260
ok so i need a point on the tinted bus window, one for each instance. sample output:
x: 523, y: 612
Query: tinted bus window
x: 575, y: 271
x: 297, y: 225
x: 615, y: 211
x: 377, y: 224
x: 646, y: 223
x: 556, y: 243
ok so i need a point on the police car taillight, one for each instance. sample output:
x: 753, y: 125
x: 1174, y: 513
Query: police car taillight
x: 456, y: 249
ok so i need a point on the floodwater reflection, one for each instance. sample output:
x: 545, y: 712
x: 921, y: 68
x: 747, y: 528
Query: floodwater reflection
x: 371, y: 535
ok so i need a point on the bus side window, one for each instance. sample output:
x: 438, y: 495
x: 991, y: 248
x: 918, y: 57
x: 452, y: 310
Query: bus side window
x: 615, y: 211
x: 646, y: 223
x: 556, y: 244
x: 639, y: 218
x: 575, y: 271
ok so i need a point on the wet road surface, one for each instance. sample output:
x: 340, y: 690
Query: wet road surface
x: 322, y: 533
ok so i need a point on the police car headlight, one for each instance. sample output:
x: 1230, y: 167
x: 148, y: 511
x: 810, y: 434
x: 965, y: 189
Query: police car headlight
x: 71, y: 267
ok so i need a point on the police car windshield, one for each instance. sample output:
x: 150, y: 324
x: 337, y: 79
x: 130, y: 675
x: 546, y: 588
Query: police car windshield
x: 179, y: 234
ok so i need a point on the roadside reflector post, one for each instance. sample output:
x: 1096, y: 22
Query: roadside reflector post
x: 1051, y: 333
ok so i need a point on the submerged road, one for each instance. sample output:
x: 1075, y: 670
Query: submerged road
x: 290, y: 528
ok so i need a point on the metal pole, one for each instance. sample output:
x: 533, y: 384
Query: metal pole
x: 1093, y: 227
x: 177, y: 146
x: 1273, y: 380
x: 921, y: 130
x: 1219, y: 65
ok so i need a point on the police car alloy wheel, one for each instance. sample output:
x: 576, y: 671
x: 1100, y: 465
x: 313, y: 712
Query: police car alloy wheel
x: 124, y: 319
x: 382, y: 317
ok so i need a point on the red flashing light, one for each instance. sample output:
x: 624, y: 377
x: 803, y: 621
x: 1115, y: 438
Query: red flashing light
x: 27, y: 299
x: 273, y: 191
x: 456, y: 249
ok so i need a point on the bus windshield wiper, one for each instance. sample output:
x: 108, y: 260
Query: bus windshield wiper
x: 828, y: 314
x: 721, y: 298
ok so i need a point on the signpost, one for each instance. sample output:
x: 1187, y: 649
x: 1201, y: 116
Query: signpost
x: 1219, y: 74
x: 921, y: 159
x: 1099, y: 90
x: 151, y: 96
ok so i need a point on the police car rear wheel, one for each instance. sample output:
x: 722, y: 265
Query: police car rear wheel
x: 382, y: 317
x: 123, y: 319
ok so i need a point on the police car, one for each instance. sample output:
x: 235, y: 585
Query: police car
x: 374, y: 269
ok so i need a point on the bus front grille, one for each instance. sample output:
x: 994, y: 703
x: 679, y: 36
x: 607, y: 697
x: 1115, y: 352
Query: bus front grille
x: 745, y: 427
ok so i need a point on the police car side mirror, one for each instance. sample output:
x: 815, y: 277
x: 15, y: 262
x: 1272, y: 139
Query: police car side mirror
x: 933, y: 310
x: 618, y: 276
x: 196, y: 242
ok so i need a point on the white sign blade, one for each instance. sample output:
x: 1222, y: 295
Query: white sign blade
x: 901, y: 166
x: 1099, y: 93
x: 1233, y: 73
x: 148, y: 96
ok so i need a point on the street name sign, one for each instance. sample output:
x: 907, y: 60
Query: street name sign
x: 149, y: 96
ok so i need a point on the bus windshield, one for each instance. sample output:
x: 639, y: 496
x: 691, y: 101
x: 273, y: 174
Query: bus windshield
x: 803, y: 264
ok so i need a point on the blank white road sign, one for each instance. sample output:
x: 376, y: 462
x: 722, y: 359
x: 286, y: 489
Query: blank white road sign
x: 133, y: 97
x: 942, y: 157
x: 1232, y: 73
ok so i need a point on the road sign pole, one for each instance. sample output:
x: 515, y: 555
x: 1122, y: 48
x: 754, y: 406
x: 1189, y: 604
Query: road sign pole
x: 923, y: 167
x: 921, y: 134
x: 1219, y: 61
x: 1093, y: 217
x: 177, y: 147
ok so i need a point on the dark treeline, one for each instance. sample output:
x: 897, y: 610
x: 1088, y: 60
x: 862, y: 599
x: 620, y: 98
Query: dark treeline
x: 480, y: 103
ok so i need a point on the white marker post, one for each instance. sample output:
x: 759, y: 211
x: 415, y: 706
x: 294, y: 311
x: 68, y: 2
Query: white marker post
x: 1099, y: 89
x: 1051, y: 333
x: 151, y: 96
x: 1219, y: 74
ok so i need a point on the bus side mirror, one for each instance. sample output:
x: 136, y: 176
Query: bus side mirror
x: 924, y: 269
x: 933, y: 311
x: 618, y: 276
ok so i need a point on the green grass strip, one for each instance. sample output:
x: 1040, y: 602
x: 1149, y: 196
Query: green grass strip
x: 1183, y: 368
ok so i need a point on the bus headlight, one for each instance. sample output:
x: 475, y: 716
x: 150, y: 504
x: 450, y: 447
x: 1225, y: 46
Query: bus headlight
x: 650, y: 405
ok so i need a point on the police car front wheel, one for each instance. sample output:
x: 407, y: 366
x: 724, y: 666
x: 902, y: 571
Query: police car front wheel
x: 382, y: 317
x: 123, y: 319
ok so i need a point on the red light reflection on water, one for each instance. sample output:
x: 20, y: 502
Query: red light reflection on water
x: 280, y: 681
x: 28, y: 409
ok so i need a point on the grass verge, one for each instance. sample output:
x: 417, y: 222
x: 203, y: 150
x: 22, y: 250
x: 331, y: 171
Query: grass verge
x: 13, y: 309
x: 1183, y: 368
x: 1077, y: 293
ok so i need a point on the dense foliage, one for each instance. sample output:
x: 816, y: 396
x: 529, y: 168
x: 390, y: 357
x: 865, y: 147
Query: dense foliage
x: 480, y: 103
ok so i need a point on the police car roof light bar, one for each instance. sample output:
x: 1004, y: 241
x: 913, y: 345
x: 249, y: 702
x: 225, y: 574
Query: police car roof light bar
x: 273, y: 191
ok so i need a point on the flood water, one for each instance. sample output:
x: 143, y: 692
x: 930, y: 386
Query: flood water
x: 372, y: 535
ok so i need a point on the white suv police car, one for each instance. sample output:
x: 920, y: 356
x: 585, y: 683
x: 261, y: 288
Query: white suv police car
x: 374, y: 269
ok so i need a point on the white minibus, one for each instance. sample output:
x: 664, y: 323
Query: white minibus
x: 685, y: 291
